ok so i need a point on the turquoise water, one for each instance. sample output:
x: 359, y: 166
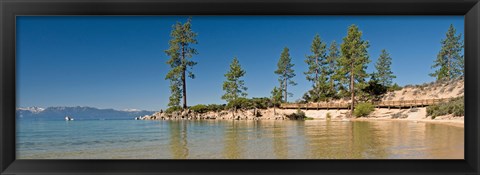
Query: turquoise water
x: 211, y: 139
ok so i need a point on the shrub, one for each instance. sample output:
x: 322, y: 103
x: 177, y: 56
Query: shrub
x: 199, y: 108
x: 261, y: 103
x: 215, y: 107
x: 394, y: 87
x: 363, y: 109
x: 399, y: 115
x: 455, y: 107
x: 240, y: 103
x: 245, y: 103
x: 374, y: 90
x: 173, y: 109
x: 299, y: 115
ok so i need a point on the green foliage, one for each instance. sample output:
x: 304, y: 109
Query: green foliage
x: 216, y: 107
x: 320, y: 92
x: 200, y: 108
x: 180, y: 53
x: 450, y: 61
x: 317, y: 61
x: 173, y: 109
x: 276, y: 96
x: 384, y: 71
x: 320, y: 71
x: 299, y: 115
x: 245, y: 103
x: 354, y: 60
x: 285, y: 72
x: 394, y: 87
x: 332, y: 61
x: 261, y: 103
x: 363, y: 109
x: 233, y: 86
x: 455, y: 107
x: 354, y: 57
x: 374, y: 90
x: 176, y: 93
x: 240, y: 103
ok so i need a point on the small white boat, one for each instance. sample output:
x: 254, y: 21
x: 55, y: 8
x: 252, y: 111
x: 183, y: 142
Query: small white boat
x: 67, y: 118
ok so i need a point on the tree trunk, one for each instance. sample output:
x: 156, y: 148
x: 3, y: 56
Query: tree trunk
x: 286, y: 93
x: 316, y: 70
x: 274, y: 113
x: 448, y: 67
x: 352, y: 90
x: 184, y: 85
x: 184, y: 81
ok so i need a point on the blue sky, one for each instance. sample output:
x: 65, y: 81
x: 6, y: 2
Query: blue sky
x: 119, y: 61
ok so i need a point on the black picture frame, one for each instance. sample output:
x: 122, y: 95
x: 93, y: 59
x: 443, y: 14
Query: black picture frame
x: 9, y: 9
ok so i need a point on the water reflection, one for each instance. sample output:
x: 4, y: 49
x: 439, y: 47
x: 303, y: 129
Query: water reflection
x: 314, y: 140
x: 446, y: 142
x: 280, y: 142
x: 178, y: 139
x: 233, y: 139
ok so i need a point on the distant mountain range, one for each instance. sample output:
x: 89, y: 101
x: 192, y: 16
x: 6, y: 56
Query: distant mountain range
x: 78, y: 113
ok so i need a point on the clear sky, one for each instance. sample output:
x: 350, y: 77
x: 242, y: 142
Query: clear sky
x: 119, y: 61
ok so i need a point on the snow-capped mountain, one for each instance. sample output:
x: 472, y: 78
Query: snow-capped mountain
x: 79, y: 113
x: 131, y: 110
x: 33, y: 109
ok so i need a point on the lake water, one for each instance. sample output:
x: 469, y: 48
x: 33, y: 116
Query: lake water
x: 211, y: 139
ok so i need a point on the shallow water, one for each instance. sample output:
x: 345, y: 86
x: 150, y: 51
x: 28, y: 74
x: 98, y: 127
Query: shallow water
x: 211, y: 139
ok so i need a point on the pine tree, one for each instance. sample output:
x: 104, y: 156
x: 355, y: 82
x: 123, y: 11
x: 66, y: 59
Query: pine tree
x: 318, y: 71
x: 276, y: 97
x: 176, y: 94
x: 450, y: 61
x: 353, y: 62
x: 233, y: 86
x: 180, y: 53
x: 285, y: 72
x: 316, y: 60
x: 332, y: 59
x: 384, y: 72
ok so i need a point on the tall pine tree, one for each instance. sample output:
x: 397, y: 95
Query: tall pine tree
x: 285, y: 72
x: 234, y: 87
x: 450, y: 60
x: 332, y: 61
x: 353, y: 62
x: 180, y: 53
x: 384, y: 72
x: 316, y: 60
x: 317, y: 69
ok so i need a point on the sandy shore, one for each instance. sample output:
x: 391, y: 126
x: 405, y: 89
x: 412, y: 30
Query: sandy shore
x: 408, y: 115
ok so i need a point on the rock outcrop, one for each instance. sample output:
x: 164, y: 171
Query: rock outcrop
x: 252, y: 114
